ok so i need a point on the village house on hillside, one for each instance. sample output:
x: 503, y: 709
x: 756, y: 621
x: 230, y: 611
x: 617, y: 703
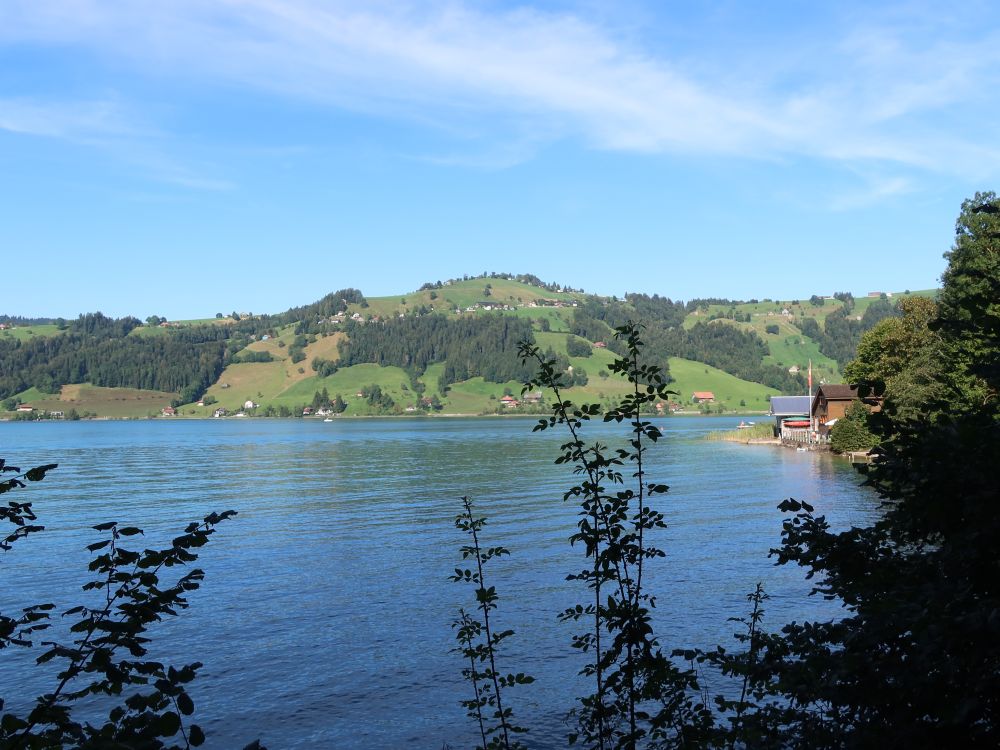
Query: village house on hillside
x: 703, y: 397
x: 509, y: 402
x: 667, y: 406
x: 832, y: 400
x: 168, y: 411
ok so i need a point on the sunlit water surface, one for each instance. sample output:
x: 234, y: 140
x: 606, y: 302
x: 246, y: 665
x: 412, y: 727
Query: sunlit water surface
x: 324, y: 619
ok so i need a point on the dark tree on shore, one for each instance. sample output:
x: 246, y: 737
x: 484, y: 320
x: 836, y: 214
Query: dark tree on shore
x: 916, y: 661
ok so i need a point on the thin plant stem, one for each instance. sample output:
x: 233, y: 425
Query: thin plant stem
x: 486, y: 623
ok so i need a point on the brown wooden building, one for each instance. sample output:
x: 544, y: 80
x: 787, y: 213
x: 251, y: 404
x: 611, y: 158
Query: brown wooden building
x: 832, y: 401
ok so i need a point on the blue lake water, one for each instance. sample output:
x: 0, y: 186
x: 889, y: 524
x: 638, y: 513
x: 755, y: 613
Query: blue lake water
x: 324, y: 619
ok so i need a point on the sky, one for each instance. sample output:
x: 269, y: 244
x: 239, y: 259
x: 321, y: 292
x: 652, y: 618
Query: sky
x: 201, y: 156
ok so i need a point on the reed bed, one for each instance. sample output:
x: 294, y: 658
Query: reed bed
x: 759, y: 431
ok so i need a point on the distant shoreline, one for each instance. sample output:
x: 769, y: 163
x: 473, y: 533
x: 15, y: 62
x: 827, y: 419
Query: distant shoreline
x: 449, y: 415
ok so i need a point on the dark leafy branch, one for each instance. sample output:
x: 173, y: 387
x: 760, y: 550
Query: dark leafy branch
x: 480, y: 643
x: 108, y: 653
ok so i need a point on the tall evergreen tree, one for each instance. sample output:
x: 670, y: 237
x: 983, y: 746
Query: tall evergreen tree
x: 916, y: 661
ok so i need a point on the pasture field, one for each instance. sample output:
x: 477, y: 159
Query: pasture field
x: 348, y: 382
x: 121, y: 403
x: 690, y: 376
x: 272, y: 346
x: 26, y: 333
x: 257, y: 381
x: 463, y: 294
x: 862, y: 303
x: 325, y: 347
x: 431, y: 377
x: 559, y: 317
x: 473, y: 396
x: 32, y: 395
x: 790, y: 347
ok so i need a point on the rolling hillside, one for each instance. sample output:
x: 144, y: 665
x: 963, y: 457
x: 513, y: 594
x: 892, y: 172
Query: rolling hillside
x: 408, y: 363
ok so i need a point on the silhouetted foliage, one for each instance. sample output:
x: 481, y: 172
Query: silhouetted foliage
x: 914, y: 663
x: 640, y: 694
x: 480, y: 643
x: 108, y: 653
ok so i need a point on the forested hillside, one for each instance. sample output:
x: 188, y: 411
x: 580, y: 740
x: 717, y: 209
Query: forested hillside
x: 99, y: 350
x: 484, y: 346
x: 452, y: 343
x: 734, y: 350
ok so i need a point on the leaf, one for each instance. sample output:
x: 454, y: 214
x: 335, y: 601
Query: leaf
x: 38, y: 473
x: 197, y: 737
x: 105, y: 526
x: 168, y: 724
x: 185, y: 704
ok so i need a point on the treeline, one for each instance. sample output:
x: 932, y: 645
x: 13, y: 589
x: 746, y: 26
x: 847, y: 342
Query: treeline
x: 483, y: 346
x: 736, y: 351
x: 841, y: 332
x: 308, y: 317
x: 97, y: 349
x: 523, y: 278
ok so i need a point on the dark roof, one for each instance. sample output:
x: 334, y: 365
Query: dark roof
x: 786, y: 406
x: 838, y: 392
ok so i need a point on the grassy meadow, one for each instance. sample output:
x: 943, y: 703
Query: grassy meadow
x: 26, y: 333
x: 119, y: 403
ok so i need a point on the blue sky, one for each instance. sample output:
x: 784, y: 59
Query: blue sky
x: 198, y: 156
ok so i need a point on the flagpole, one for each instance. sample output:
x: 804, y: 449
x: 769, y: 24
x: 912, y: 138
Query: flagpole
x: 811, y: 425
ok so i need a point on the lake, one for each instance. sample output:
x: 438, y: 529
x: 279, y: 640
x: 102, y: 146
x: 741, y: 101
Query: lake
x: 324, y: 618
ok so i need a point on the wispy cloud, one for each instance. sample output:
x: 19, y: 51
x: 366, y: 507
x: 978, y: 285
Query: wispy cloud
x: 106, y: 126
x: 874, y: 190
x: 874, y: 89
x: 62, y: 119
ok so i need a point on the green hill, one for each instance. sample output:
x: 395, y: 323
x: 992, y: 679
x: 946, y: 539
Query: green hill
x: 395, y: 348
x: 731, y: 393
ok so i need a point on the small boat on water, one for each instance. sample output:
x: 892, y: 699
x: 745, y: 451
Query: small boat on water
x: 327, y: 420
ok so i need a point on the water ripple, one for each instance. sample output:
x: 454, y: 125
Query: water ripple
x: 324, y: 618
